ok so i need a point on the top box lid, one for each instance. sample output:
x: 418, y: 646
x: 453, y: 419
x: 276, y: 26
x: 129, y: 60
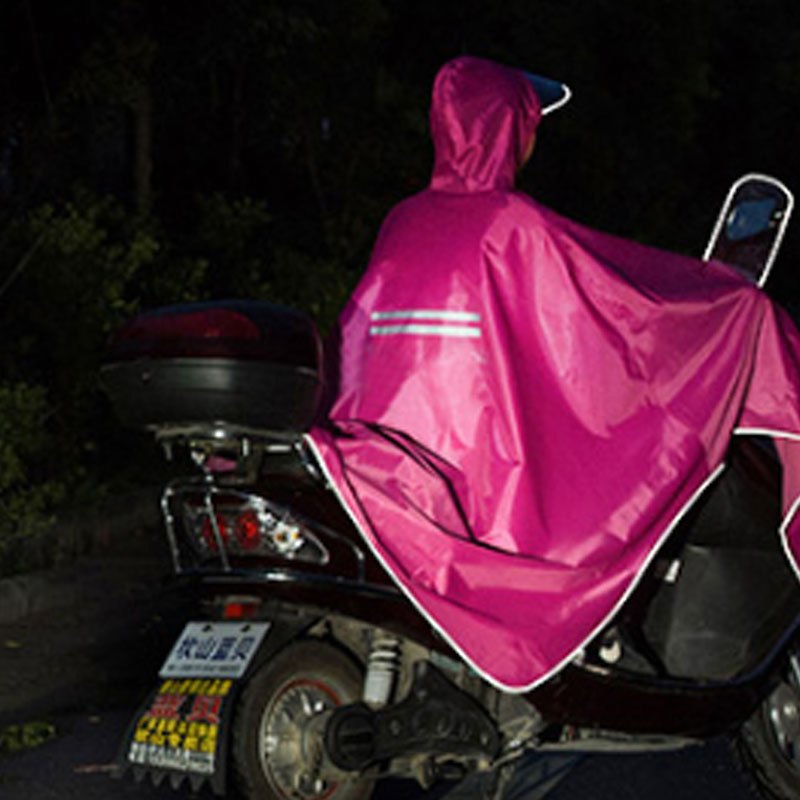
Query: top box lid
x: 238, y: 329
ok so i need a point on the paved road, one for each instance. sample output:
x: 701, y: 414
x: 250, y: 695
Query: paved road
x: 701, y: 773
x: 76, y: 766
x: 83, y: 669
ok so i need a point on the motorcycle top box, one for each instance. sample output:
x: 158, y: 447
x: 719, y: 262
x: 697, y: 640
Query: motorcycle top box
x: 235, y: 365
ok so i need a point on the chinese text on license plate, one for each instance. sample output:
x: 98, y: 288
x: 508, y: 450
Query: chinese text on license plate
x: 214, y: 650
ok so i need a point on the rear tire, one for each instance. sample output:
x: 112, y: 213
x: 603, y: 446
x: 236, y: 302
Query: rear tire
x: 273, y: 758
x: 769, y: 742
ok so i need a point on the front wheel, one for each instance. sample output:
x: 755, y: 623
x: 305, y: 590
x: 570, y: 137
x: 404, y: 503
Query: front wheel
x: 769, y: 742
x: 275, y: 748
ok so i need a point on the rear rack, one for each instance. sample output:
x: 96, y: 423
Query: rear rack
x: 235, y: 452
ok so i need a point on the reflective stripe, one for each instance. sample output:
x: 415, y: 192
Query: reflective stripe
x: 455, y: 331
x: 423, y: 313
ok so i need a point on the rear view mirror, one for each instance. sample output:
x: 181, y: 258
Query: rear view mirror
x: 751, y: 225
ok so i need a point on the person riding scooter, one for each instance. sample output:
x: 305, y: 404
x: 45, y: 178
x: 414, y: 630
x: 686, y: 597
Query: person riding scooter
x: 527, y: 407
x: 486, y: 555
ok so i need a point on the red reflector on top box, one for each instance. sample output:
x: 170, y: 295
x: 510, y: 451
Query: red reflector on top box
x: 192, y: 330
x: 235, y: 364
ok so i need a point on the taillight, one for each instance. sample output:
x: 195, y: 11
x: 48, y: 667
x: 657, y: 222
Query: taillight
x: 209, y: 535
x: 248, y: 530
x: 247, y: 524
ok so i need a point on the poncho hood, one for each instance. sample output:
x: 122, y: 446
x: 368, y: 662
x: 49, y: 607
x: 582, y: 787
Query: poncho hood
x: 483, y: 120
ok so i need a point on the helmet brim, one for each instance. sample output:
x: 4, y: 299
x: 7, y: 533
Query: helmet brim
x: 552, y: 94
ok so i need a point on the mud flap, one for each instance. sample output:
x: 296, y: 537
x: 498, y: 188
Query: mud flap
x: 181, y: 731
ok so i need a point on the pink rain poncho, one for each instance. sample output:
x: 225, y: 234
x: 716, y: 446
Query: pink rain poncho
x: 526, y: 406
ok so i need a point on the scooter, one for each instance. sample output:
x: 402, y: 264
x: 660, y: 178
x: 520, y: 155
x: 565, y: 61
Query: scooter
x: 310, y: 675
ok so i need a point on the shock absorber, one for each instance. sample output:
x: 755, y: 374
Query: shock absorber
x: 383, y: 665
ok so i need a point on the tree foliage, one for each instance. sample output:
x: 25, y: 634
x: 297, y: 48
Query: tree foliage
x: 155, y: 153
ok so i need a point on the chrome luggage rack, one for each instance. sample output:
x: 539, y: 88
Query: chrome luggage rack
x: 210, y: 445
x: 204, y: 440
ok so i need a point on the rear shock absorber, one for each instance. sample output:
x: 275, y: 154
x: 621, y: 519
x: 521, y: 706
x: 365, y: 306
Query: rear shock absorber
x: 383, y: 665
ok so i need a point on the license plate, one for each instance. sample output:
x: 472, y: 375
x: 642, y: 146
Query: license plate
x: 214, y: 650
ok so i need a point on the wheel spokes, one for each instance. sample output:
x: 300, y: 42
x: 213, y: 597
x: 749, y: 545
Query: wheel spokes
x: 284, y: 751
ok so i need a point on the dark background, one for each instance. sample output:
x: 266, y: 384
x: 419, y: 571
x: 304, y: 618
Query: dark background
x: 157, y: 152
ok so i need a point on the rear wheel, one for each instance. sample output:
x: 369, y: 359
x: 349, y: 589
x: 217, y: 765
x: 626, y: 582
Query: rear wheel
x: 276, y: 746
x: 770, y: 740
